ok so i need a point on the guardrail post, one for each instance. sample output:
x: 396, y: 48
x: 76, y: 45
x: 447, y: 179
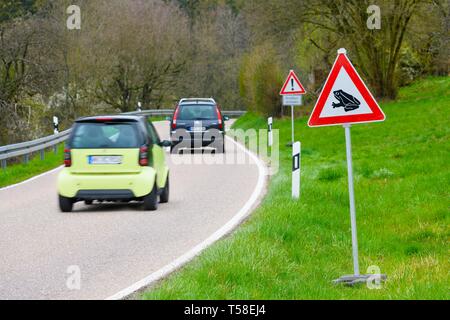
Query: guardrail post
x: 26, y: 158
x: 55, y: 149
x: 4, y: 164
x: 42, y: 152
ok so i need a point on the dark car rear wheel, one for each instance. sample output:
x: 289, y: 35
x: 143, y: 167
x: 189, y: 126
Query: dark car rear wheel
x: 65, y: 204
x: 164, y: 197
x: 151, y: 200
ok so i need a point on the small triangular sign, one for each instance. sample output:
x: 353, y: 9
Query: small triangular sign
x: 292, y: 85
x: 345, y: 98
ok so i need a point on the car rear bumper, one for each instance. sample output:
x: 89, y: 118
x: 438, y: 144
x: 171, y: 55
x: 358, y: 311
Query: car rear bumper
x: 106, y: 186
x: 105, y: 195
x: 192, y: 139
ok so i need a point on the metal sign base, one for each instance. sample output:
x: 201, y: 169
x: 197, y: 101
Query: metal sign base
x: 352, y: 280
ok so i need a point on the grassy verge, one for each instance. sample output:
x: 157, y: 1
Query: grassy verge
x: 293, y: 250
x: 15, y: 173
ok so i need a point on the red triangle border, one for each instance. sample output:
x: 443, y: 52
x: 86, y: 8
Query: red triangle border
x: 377, y: 114
x: 302, y: 89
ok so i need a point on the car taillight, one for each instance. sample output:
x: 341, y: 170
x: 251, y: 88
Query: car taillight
x: 67, y: 158
x: 143, y: 156
x: 175, y: 116
x: 219, y: 117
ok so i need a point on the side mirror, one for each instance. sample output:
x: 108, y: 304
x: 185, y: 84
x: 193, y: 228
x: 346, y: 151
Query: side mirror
x: 168, y: 118
x: 165, y: 144
x: 226, y: 118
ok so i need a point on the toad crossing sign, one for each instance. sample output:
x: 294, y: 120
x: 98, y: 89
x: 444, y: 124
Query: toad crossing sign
x: 344, y: 100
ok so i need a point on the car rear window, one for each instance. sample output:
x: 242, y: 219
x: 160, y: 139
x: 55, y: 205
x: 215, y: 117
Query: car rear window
x: 197, y: 112
x: 105, y: 135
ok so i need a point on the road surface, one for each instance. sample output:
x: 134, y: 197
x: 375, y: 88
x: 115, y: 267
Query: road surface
x: 113, y: 245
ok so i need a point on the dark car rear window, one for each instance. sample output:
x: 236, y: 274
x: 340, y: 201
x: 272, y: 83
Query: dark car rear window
x: 105, y: 135
x: 197, y: 112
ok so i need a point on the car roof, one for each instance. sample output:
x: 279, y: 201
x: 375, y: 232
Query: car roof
x: 197, y: 101
x: 111, y: 117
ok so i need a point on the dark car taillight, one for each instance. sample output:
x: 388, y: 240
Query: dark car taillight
x: 67, y: 158
x: 175, y: 116
x: 143, y: 156
x: 219, y: 118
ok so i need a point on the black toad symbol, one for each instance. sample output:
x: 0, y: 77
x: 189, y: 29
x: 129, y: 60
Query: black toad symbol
x: 346, y: 100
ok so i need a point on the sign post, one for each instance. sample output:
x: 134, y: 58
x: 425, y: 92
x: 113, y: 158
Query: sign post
x: 344, y: 100
x: 351, y: 193
x: 292, y: 92
x: 269, y: 132
x: 296, y: 164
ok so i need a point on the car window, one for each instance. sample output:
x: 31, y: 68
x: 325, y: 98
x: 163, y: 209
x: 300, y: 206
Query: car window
x: 105, y: 135
x: 197, y: 112
x: 153, y: 133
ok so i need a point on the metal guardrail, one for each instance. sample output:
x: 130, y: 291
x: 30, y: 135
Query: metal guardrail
x: 169, y: 112
x: 25, y: 149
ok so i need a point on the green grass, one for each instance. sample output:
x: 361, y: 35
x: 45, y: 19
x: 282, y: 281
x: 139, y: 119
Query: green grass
x: 294, y: 249
x: 15, y: 173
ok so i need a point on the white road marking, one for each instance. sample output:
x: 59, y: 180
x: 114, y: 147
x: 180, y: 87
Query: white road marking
x: 240, y: 216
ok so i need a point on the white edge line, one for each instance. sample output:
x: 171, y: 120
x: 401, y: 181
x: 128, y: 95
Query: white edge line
x: 31, y: 179
x: 243, y: 213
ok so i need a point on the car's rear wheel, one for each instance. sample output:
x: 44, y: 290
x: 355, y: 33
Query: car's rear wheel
x: 151, y: 200
x: 164, y: 197
x: 65, y: 204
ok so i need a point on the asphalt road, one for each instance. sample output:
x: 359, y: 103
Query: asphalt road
x: 114, y: 245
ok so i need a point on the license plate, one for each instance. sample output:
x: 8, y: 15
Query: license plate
x: 104, y: 159
x: 198, y: 129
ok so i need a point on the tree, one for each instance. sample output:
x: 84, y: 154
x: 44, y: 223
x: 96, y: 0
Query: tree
x: 377, y: 52
x: 135, y: 51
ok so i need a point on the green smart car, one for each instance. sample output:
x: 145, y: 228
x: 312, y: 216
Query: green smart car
x: 114, y: 158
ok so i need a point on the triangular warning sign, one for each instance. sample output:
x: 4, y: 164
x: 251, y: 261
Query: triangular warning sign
x: 345, y: 98
x: 292, y: 86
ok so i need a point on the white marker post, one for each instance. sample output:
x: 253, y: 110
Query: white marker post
x: 270, y: 133
x: 139, y: 108
x: 296, y: 164
x: 55, y: 131
x: 55, y: 125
